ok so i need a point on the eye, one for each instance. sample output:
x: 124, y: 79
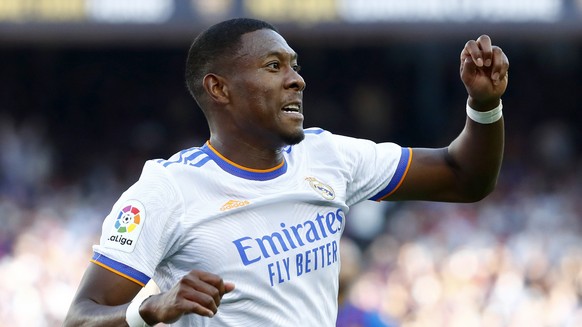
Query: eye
x: 296, y: 68
x: 274, y: 65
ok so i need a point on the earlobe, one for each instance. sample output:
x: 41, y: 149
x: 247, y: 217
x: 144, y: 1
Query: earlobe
x: 216, y: 88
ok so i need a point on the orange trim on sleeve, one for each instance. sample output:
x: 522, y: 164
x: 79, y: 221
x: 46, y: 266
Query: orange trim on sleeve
x: 401, y: 180
x: 118, y: 273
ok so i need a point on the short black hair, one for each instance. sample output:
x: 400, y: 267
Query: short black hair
x: 213, y: 45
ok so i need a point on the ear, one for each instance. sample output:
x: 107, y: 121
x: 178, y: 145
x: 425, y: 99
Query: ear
x: 216, y: 88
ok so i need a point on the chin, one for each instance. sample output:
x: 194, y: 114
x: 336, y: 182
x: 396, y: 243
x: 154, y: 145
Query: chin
x: 295, y: 138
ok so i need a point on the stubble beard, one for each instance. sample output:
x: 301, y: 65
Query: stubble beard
x: 295, y: 138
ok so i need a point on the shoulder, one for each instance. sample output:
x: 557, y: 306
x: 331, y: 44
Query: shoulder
x: 322, y: 143
x: 315, y: 131
x: 319, y: 139
x: 315, y: 136
x: 168, y: 174
x: 193, y: 157
x: 316, y: 140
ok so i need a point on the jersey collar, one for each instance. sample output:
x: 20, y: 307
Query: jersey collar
x: 241, y: 171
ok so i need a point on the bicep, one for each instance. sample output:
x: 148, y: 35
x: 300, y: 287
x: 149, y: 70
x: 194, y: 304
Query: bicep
x: 101, y: 299
x: 105, y: 287
x: 431, y: 177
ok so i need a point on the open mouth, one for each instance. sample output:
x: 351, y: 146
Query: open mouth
x: 292, y: 108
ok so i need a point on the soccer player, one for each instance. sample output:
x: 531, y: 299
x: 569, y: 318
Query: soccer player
x: 244, y: 230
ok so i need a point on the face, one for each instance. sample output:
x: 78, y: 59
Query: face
x: 266, y: 90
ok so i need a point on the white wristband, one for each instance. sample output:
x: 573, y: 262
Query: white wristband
x: 485, y: 117
x: 132, y: 316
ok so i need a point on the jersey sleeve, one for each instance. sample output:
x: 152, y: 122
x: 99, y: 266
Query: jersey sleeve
x: 376, y: 169
x: 142, y: 227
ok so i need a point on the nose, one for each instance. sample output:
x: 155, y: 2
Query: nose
x: 296, y: 81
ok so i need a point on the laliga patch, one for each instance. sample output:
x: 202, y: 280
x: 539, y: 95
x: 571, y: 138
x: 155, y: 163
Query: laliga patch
x: 127, y: 227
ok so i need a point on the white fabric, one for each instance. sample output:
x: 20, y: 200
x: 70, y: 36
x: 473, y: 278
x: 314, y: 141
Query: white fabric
x: 485, y: 117
x: 274, y: 234
x: 132, y: 316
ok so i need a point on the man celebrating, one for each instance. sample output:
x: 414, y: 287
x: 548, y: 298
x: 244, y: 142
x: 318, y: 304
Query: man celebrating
x: 263, y: 203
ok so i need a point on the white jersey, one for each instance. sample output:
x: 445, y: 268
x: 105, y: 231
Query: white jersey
x: 273, y: 233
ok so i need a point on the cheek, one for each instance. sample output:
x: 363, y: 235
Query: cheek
x: 253, y: 91
x: 258, y: 93
x: 246, y: 97
x: 262, y: 98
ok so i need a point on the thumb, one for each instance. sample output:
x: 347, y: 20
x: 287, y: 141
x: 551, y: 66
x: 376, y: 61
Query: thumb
x: 228, y: 287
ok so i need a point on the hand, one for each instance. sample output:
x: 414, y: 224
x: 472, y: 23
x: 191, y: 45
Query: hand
x: 197, y: 292
x: 484, y: 71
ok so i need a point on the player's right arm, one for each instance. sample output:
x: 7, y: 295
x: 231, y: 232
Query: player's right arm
x: 103, y: 297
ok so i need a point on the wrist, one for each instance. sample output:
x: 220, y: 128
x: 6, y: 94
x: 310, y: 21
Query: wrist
x: 483, y: 105
x: 133, y: 316
x: 147, y: 310
x: 485, y: 117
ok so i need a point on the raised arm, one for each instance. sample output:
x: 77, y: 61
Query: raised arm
x: 103, y: 298
x: 466, y: 170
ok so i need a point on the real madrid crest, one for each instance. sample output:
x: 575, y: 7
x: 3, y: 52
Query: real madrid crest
x: 323, y: 189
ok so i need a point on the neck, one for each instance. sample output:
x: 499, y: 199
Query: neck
x: 247, y: 155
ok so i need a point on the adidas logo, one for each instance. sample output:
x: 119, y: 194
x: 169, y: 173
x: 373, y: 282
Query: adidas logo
x: 231, y: 204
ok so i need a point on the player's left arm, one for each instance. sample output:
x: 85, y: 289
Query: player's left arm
x: 466, y: 170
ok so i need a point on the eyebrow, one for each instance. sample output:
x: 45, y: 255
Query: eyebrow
x: 293, y: 55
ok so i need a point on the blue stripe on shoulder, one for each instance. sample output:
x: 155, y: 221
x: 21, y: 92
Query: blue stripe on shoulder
x: 313, y: 131
x: 185, y: 159
x: 201, y: 162
x: 179, y: 160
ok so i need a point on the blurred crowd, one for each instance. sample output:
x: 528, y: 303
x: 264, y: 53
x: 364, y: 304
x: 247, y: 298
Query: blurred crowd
x: 76, y: 126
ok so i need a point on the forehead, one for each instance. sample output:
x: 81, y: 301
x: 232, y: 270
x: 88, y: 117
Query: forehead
x: 263, y: 43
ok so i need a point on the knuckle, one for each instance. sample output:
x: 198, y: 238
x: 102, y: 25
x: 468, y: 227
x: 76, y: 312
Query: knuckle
x: 208, y: 302
x: 197, y: 308
x: 215, y: 293
x: 183, y: 284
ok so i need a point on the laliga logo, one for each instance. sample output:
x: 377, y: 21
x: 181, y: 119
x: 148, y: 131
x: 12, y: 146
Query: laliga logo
x: 125, y: 230
x: 323, y: 189
x: 127, y: 220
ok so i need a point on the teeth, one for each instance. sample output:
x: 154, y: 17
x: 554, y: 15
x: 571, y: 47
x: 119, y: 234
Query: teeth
x: 292, y: 107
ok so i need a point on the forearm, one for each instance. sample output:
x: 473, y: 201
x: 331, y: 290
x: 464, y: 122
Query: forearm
x: 476, y: 154
x: 89, y: 313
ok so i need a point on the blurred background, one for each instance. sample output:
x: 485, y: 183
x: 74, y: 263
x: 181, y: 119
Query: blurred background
x: 90, y: 89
